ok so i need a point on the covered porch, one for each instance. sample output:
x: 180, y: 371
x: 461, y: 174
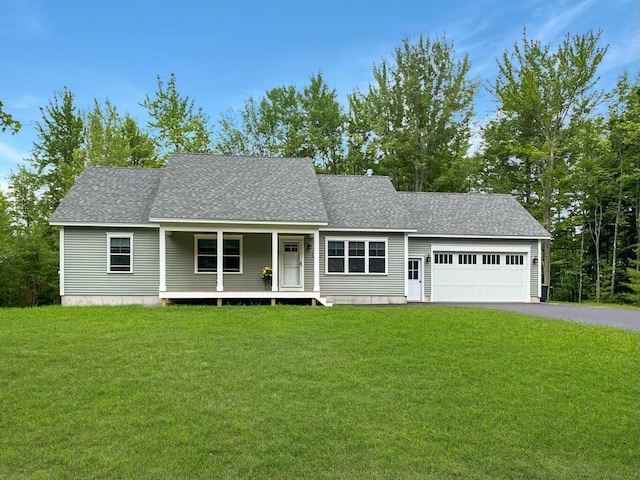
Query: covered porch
x: 192, y: 257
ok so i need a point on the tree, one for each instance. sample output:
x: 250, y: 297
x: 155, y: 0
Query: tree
x: 288, y: 122
x: 7, y: 121
x: 624, y: 137
x: 542, y: 95
x: 413, y: 124
x: 113, y: 140
x: 176, y: 124
x: 60, y: 134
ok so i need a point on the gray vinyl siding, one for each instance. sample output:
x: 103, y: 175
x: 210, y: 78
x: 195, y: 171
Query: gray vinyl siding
x: 256, y: 254
x: 421, y: 247
x: 349, y: 284
x: 308, y: 264
x: 85, y: 263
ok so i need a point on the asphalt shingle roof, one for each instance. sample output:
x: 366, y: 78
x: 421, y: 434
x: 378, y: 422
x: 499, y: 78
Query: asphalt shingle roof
x: 361, y: 202
x: 233, y: 188
x: 110, y: 195
x: 472, y: 214
x: 255, y: 189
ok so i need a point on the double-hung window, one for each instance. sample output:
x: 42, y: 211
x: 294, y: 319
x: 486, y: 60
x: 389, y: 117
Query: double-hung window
x: 120, y: 252
x: 206, y: 254
x: 361, y: 256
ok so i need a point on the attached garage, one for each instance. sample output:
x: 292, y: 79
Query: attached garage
x: 496, y: 275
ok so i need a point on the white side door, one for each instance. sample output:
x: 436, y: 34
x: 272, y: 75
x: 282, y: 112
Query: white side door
x: 414, y: 273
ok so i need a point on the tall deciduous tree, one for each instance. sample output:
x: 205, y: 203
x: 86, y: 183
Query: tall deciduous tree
x: 113, y: 140
x: 414, y: 122
x: 543, y: 94
x: 60, y: 135
x: 175, y: 123
x: 289, y: 122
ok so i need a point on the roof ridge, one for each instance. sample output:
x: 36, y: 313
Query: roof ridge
x: 235, y: 156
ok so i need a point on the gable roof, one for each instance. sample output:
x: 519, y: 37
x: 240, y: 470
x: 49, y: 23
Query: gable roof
x: 360, y: 202
x: 111, y: 195
x: 470, y: 214
x: 243, y: 189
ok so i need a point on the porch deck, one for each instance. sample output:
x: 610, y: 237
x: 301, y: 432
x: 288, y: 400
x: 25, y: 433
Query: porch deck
x: 314, y: 297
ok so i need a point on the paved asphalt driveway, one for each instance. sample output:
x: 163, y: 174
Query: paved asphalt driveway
x: 611, y: 317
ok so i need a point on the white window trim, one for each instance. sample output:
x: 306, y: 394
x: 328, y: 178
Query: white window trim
x: 225, y: 237
x: 366, y: 257
x: 111, y: 235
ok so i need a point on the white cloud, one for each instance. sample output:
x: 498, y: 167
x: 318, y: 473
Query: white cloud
x: 10, y: 155
x: 556, y: 24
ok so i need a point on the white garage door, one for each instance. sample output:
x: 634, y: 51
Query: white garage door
x: 480, y: 277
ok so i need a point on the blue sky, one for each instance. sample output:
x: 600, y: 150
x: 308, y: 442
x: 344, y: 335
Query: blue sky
x: 222, y: 52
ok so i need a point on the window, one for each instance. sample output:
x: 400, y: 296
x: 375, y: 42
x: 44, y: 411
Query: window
x: 120, y: 252
x: 414, y: 270
x: 491, y: 259
x: 467, y: 259
x: 514, y: 259
x: 206, y: 254
x: 443, y: 258
x: 357, y: 256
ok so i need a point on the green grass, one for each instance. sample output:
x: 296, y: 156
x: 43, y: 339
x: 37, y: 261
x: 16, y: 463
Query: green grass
x: 302, y: 392
x: 621, y: 306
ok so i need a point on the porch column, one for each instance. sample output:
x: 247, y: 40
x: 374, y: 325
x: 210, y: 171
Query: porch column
x: 220, y: 258
x: 274, y: 261
x: 316, y: 262
x: 163, y: 259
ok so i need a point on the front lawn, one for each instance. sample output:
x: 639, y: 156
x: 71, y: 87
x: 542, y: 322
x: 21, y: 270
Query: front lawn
x: 303, y: 392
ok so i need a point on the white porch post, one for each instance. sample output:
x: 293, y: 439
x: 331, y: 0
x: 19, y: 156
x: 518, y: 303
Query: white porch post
x: 274, y: 261
x: 406, y: 265
x: 61, y: 270
x: 316, y: 262
x: 220, y: 258
x: 163, y: 259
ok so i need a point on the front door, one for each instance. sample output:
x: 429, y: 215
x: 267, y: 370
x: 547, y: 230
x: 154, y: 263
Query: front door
x: 414, y: 273
x: 291, y: 264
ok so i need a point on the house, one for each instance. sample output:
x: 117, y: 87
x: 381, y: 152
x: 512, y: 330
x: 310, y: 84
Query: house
x: 205, y: 226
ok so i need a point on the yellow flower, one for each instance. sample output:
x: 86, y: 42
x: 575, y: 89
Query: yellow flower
x: 267, y: 272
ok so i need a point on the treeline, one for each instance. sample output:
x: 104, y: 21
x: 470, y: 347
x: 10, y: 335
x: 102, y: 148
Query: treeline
x: 567, y: 150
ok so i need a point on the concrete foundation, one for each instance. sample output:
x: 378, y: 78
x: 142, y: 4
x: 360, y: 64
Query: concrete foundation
x: 366, y: 299
x: 89, y: 300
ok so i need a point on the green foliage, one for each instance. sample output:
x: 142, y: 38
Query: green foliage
x: 113, y: 140
x: 175, y: 122
x: 413, y: 123
x: 60, y: 134
x: 302, y: 392
x: 8, y: 122
x: 288, y: 122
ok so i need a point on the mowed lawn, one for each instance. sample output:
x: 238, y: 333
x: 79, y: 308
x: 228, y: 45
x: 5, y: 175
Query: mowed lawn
x: 302, y: 392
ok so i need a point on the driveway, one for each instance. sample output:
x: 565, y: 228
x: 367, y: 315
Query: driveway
x: 610, y: 317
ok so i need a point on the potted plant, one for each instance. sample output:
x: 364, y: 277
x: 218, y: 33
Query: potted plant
x: 266, y: 275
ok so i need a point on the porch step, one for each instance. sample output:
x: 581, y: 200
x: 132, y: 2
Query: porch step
x: 324, y: 302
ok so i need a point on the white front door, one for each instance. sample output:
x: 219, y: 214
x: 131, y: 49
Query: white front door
x: 414, y: 273
x: 291, y: 273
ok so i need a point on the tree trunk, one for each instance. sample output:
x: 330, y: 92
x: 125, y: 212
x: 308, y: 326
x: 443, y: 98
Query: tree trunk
x: 615, y: 240
x: 581, y: 274
x: 546, y: 217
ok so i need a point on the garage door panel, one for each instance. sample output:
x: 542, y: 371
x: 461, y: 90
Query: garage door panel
x: 480, y: 283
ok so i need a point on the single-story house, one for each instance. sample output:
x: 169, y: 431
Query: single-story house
x: 206, y: 226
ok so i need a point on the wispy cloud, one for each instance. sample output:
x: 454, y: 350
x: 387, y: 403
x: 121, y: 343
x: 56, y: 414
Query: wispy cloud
x: 557, y: 19
x: 9, y: 156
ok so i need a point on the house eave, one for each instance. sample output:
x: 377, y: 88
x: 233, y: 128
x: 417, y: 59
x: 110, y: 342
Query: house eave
x: 371, y: 230
x: 183, y: 221
x: 491, y: 237
x: 104, y: 224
